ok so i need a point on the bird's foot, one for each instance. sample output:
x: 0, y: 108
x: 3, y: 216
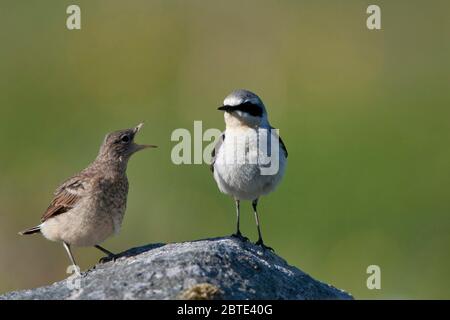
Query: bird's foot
x: 75, y: 270
x: 262, y: 245
x: 239, y: 236
x: 108, y: 258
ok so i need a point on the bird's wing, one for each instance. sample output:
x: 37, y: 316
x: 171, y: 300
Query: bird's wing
x: 215, y: 151
x: 65, y: 197
x: 282, y: 146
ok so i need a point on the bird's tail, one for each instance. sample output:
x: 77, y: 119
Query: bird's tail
x: 30, y: 230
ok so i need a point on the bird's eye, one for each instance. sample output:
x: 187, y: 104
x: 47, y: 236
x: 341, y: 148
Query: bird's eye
x: 125, y: 139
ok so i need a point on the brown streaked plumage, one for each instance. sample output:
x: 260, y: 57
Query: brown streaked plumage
x: 89, y: 207
x: 64, y: 199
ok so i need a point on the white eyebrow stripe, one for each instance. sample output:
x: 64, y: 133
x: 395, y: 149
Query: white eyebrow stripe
x: 232, y: 101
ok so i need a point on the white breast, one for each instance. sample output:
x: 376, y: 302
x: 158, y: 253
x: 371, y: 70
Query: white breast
x: 238, y: 166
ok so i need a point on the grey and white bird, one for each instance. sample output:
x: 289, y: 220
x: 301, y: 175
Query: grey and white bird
x: 246, y: 119
x: 89, y: 207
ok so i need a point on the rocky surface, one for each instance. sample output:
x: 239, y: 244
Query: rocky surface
x: 221, y: 268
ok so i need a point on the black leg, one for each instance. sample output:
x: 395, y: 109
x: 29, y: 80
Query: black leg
x: 260, y: 241
x: 110, y: 256
x: 238, y: 233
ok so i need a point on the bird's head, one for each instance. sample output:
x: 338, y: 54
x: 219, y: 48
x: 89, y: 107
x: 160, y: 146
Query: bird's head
x: 244, y: 108
x: 120, y: 146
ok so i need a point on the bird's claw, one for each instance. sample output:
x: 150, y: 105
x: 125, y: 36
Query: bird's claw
x: 239, y: 236
x: 108, y: 258
x: 262, y: 245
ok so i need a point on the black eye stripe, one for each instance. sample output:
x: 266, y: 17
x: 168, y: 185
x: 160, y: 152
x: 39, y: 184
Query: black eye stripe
x: 251, y: 108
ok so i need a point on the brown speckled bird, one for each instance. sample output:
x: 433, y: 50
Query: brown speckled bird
x: 89, y: 207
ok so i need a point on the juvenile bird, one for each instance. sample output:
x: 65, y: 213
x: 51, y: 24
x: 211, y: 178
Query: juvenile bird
x: 245, y: 177
x: 89, y: 207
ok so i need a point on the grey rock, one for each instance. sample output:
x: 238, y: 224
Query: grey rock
x: 220, y: 268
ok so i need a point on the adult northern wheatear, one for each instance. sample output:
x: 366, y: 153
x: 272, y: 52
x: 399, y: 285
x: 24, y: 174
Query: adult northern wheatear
x: 243, y: 177
x: 89, y: 207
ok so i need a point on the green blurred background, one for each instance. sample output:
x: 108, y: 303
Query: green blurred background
x: 365, y: 116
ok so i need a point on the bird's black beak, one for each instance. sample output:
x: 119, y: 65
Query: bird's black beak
x: 226, y: 108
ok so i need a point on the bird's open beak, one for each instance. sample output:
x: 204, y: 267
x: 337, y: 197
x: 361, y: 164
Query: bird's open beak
x: 138, y: 147
x: 138, y: 127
